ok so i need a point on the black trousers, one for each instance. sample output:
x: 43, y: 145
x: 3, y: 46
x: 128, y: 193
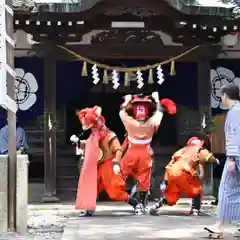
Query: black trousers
x: 217, y: 172
x: 196, y: 202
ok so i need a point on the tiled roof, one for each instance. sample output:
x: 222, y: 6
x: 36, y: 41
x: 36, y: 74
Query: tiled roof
x: 55, y: 5
x: 204, y: 7
x: 197, y: 7
x: 23, y: 5
x: 236, y: 4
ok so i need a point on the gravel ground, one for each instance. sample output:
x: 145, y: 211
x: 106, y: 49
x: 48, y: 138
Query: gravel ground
x: 45, y: 222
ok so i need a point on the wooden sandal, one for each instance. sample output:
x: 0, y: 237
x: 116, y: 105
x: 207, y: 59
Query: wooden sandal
x: 213, y: 234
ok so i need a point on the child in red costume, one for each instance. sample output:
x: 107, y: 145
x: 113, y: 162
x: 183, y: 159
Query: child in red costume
x: 181, y: 176
x: 100, y: 170
x: 141, y: 116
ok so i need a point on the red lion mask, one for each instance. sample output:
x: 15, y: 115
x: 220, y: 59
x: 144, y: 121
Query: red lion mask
x: 142, y: 107
x: 91, y: 117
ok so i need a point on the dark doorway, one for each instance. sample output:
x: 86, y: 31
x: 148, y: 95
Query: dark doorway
x: 110, y: 103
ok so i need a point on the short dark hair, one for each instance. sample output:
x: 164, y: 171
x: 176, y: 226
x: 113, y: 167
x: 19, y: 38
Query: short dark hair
x: 231, y: 90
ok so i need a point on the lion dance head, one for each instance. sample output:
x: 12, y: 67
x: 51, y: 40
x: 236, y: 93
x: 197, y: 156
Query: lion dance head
x: 142, y: 107
x: 91, y: 118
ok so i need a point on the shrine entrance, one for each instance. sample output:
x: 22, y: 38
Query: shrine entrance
x: 109, y: 31
x: 167, y: 137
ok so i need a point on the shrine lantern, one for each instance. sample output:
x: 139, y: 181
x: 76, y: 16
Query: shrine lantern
x: 230, y: 39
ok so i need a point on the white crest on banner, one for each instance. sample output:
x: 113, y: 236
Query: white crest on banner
x: 219, y: 77
x: 26, y: 87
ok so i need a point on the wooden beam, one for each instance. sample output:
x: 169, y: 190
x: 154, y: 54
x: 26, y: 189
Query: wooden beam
x: 99, y: 22
x: 204, y: 99
x: 49, y: 132
x: 137, y: 51
x: 183, y: 33
x: 12, y: 157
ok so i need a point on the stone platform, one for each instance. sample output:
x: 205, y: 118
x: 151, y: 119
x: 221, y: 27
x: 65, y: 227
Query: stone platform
x: 118, y: 222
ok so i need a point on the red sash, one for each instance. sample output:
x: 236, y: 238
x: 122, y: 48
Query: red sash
x: 87, y: 184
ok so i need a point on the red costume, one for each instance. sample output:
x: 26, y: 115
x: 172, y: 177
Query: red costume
x: 141, y: 116
x: 100, y: 169
x: 181, y: 176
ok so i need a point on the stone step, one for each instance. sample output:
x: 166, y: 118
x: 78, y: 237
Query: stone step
x: 67, y: 170
x: 67, y: 194
x: 67, y: 182
x: 66, y: 160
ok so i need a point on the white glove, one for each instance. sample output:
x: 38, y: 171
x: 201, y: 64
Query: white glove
x: 127, y: 98
x: 74, y: 139
x: 116, y: 168
x: 155, y: 96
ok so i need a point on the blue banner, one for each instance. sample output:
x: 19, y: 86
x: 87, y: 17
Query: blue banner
x: 223, y: 71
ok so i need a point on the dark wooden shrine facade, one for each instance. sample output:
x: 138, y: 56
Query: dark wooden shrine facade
x: 51, y: 29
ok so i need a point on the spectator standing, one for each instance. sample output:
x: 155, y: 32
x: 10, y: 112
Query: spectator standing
x: 229, y: 189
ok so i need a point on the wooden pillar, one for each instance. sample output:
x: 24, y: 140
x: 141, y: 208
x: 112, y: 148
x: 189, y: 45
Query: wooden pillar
x: 12, y: 157
x: 49, y: 128
x: 204, y: 99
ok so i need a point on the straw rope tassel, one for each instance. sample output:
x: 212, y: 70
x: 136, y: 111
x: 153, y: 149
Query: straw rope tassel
x: 105, y: 77
x: 84, y: 69
x: 172, y: 69
x: 150, y: 77
x: 126, y: 79
x: 128, y: 69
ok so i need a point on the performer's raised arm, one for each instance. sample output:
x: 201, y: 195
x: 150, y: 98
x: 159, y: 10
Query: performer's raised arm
x: 161, y: 106
x: 158, y: 115
x: 127, y: 120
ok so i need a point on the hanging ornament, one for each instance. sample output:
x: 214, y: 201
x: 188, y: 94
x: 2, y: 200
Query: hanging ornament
x: 139, y: 79
x: 115, y: 79
x: 84, y: 69
x: 172, y: 69
x: 204, y: 122
x: 105, y: 77
x: 50, y: 125
x: 160, y: 75
x: 150, y: 77
x: 95, y: 74
x: 126, y: 79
